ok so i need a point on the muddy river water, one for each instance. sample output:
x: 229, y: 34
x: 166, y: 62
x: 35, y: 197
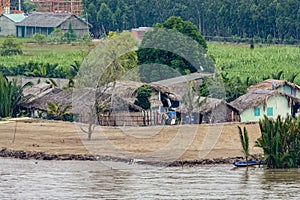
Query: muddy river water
x: 30, y: 179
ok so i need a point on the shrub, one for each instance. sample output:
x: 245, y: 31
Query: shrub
x: 40, y: 38
x: 11, y: 46
x: 280, y: 141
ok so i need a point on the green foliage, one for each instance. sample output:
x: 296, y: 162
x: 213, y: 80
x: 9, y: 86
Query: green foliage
x: 223, y: 87
x: 11, y: 46
x: 185, y: 27
x: 117, y: 58
x: 70, y: 35
x: 57, y: 35
x: 40, y: 38
x: 240, y: 20
x: 11, y: 96
x: 244, y: 138
x: 57, y: 112
x: 28, y: 6
x: 255, y: 65
x: 86, y: 38
x: 58, y: 56
x: 159, y: 47
x: 143, y: 95
x: 280, y: 141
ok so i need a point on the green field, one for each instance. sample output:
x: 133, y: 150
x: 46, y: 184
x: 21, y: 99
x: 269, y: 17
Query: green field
x: 61, y: 54
x: 235, y: 59
x: 262, y: 61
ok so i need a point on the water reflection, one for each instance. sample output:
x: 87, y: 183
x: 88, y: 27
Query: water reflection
x: 21, y: 179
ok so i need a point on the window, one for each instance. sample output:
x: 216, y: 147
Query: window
x: 269, y: 111
x: 257, y: 112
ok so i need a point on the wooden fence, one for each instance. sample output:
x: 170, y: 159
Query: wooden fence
x: 146, y: 118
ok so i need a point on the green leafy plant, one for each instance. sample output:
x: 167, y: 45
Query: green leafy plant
x: 143, y: 95
x: 244, y: 138
x: 280, y: 141
x: 11, y: 46
x: 11, y: 96
x: 57, y: 111
x: 40, y: 38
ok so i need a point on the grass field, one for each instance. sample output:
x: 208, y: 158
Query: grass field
x: 61, y: 54
x: 262, y: 61
x: 235, y: 59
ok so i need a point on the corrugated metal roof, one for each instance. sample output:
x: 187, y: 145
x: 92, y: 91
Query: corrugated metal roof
x: 15, y: 17
x: 38, y: 19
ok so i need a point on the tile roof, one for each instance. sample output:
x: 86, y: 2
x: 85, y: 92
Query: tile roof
x: 39, y: 19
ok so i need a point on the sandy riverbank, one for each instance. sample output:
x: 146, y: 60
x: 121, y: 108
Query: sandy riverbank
x: 65, y: 140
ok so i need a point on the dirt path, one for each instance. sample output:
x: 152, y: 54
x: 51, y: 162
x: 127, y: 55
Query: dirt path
x: 168, y: 143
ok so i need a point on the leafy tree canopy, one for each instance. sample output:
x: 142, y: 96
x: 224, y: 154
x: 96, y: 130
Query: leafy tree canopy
x: 185, y: 27
x: 173, y: 44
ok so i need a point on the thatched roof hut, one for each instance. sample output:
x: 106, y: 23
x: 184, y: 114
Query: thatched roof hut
x: 212, y: 110
x: 271, y: 84
x: 127, y: 90
x: 178, y: 84
x: 259, y: 97
x: 53, y: 95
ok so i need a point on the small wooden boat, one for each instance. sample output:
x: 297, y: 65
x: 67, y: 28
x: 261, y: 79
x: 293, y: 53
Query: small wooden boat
x: 250, y: 163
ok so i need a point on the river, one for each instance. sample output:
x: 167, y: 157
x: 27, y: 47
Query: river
x: 30, y: 179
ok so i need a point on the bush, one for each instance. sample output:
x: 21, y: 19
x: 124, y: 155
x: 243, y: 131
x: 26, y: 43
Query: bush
x: 40, y: 38
x: 11, y: 46
x: 280, y: 141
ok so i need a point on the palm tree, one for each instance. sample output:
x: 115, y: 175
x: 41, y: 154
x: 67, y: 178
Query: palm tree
x: 244, y: 138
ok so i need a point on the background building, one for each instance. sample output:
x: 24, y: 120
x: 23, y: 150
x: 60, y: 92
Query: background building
x: 45, y: 23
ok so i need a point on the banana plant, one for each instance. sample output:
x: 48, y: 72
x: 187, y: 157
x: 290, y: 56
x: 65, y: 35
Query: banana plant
x: 11, y: 96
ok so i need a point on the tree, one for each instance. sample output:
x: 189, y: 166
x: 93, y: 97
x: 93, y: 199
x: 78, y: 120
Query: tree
x: 176, y: 44
x: 11, y: 46
x: 142, y: 97
x: 244, y: 139
x: 104, y: 17
x: 185, y: 27
x: 70, y: 35
x: 92, y: 121
x: 103, y: 66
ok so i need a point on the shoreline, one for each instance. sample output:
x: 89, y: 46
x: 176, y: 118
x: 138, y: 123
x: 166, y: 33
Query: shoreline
x: 189, y: 145
x: 35, y: 155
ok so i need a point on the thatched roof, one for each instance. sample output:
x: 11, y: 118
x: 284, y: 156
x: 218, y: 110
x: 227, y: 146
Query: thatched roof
x: 182, y: 79
x: 119, y: 98
x: 127, y: 90
x: 207, y: 106
x: 258, y: 97
x: 55, y: 95
x: 37, y: 90
x: 271, y: 84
